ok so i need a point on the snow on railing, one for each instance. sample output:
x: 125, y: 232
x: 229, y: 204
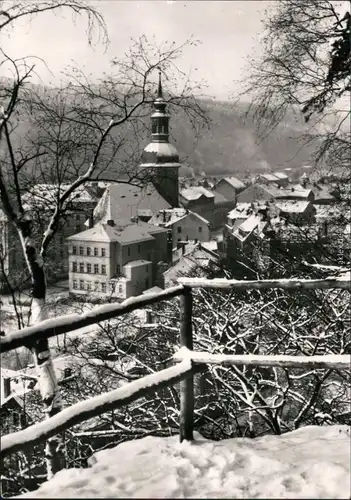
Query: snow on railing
x: 84, y: 410
x: 189, y: 362
x: 71, y: 322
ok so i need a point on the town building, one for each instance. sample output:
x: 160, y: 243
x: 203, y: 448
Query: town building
x: 116, y: 261
x: 255, y: 192
x: 182, y: 225
x: 197, y: 259
x: 296, y: 212
x: 230, y: 187
x: 274, y: 178
x: 39, y: 204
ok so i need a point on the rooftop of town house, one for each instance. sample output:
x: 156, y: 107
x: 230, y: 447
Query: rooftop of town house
x: 269, y: 177
x: 234, y: 182
x: 46, y: 194
x: 138, y: 263
x: 122, y: 202
x: 256, y: 191
x: 280, y: 175
x: 132, y: 233
x: 168, y: 217
x: 195, y: 192
x: 292, y: 206
x: 241, y: 210
x: 220, y: 198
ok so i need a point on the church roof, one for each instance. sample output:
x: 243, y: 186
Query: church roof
x: 122, y: 202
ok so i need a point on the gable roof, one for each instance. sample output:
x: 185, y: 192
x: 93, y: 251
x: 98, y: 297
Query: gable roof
x: 195, y: 192
x: 132, y: 233
x: 121, y: 202
x: 220, y: 198
x: 257, y: 190
x: 269, y: 177
x: 234, y: 182
x: 241, y: 210
x: 292, y: 206
x: 280, y: 175
x: 167, y: 218
x: 46, y: 195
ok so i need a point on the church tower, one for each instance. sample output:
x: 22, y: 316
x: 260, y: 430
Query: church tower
x: 160, y: 157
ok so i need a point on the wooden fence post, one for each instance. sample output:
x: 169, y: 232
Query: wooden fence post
x: 186, y: 423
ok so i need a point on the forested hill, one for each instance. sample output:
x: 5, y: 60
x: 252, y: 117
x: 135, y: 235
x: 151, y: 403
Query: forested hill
x: 231, y: 144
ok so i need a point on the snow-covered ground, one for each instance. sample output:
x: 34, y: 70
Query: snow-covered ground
x: 312, y: 462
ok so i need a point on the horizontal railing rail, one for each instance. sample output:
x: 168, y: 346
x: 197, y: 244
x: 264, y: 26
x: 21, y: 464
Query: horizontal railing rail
x: 188, y: 362
x: 343, y: 282
x: 71, y: 322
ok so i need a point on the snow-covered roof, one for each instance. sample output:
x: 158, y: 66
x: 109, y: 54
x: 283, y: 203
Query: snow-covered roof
x: 241, y: 210
x: 137, y: 263
x: 46, y: 194
x: 280, y: 175
x: 195, y: 192
x: 292, y: 206
x: 133, y: 233
x: 233, y: 181
x: 168, y: 217
x: 122, y: 202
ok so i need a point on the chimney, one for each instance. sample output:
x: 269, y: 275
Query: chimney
x: 6, y: 381
x: 110, y: 222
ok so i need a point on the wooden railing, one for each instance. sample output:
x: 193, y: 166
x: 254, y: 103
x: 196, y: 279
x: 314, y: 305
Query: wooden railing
x: 188, y: 362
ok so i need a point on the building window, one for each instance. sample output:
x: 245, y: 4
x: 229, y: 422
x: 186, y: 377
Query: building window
x: 118, y: 269
x: 81, y: 251
x: 97, y: 283
x: 88, y: 251
x: 103, y: 269
x: 78, y: 228
x: 179, y: 229
x: 74, y: 267
x: 146, y: 283
x: 88, y: 286
x: 77, y: 217
x: 75, y: 285
x: 128, y: 251
x: 96, y: 268
x: 81, y: 267
x: 103, y: 252
x: 74, y: 250
x: 138, y: 248
x: 103, y: 287
x: 96, y: 252
x: 62, y: 253
x: 81, y: 284
x: 89, y: 268
x: 200, y: 229
x: 120, y: 289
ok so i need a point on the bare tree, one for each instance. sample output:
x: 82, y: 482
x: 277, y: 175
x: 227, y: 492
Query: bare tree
x: 75, y: 133
x: 305, y: 71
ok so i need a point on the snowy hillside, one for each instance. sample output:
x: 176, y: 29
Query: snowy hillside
x: 312, y: 462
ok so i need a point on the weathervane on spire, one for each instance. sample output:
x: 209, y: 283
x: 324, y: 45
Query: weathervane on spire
x: 159, y: 91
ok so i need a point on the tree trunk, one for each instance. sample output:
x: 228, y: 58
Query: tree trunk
x: 48, y: 385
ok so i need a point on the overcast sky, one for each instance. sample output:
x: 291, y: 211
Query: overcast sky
x: 228, y: 31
